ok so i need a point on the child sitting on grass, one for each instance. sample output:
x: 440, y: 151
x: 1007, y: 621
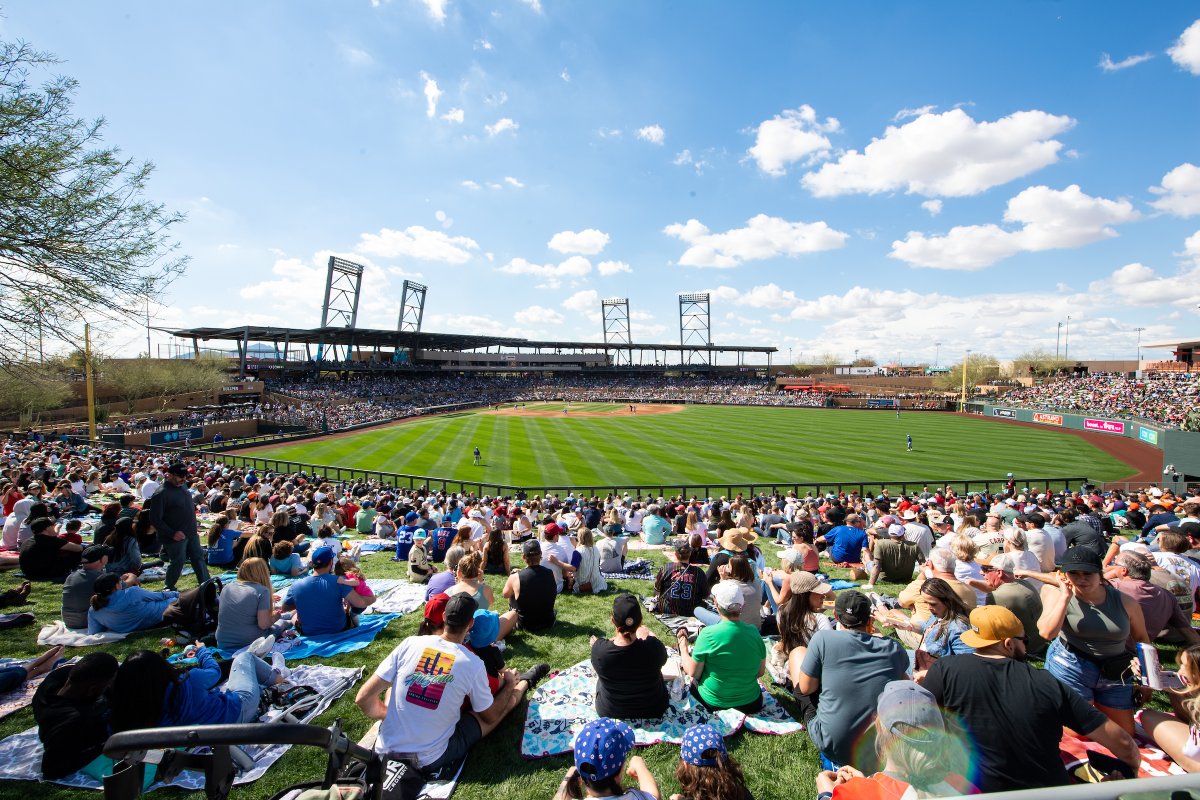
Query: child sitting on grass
x: 349, y: 574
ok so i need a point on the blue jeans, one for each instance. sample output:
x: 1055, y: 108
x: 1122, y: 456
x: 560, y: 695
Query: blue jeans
x: 11, y: 677
x: 247, y: 677
x: 705, y: 616
x: 178, y: 552
x: 1083, y: 677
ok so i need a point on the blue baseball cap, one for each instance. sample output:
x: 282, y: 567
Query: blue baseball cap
x: 486, y: 628
x: 322, y: 556
x: 698, y: 740
x: 602, y: 747
x: 412, y: 516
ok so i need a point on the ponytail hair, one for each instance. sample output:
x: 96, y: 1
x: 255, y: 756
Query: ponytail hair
x: 106, y: 586
x: 470, y: 566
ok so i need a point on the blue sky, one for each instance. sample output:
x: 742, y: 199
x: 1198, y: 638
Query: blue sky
x: 876, y: 177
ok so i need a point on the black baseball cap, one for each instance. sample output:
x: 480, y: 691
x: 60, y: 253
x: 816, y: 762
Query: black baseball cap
x: 1081, y: 559
x: 178, y: 469
x: 460, y: 610
x: 852, y: 609
x: 531, y: 548
x: 95, y: 552
x: 627, y: 611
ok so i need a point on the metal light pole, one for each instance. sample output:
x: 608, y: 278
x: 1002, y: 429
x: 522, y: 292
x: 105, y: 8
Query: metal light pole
x: 962, y: 406
x: 87, y: 373
x: 1057, y: 341
x: 1139, y: 348
x: 937, y: 349
x: 1067, y: 340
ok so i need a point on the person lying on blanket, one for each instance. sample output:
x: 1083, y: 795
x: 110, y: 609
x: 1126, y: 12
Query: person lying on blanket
x: 125, y: 609
x: 601, y: 748
x: 150, y: 692
x: 15, y: 674
x: 431, y: 695
x: 71, y: 707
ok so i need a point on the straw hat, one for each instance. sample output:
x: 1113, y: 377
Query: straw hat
x: 737, y: 539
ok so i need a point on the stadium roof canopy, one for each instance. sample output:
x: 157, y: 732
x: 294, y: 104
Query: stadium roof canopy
x: 1173, y: 345
x: 422, y: 340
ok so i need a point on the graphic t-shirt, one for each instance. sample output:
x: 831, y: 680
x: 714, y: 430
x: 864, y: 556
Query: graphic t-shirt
x: 430, y: 679
x: 682, y: 587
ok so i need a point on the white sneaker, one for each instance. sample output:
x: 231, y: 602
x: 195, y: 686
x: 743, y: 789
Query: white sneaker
x: 280, y: 666
x: 261, y: 646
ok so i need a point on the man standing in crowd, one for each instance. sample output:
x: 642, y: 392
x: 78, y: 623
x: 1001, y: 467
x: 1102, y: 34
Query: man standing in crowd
x: 320, y: 601
x: 173, y: 515
x: 432, y: 699
x: 532, y: 591
x: 1013, y: 712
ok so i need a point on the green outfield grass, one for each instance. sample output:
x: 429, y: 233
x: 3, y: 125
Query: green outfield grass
x: 709, y: 445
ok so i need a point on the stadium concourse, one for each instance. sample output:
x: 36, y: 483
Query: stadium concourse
x: 978, y: 574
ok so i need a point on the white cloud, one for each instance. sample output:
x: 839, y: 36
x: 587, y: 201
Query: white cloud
x: 684, y: 158
x: 419, y: 243
x: 565, y: 75
x: 537, y: 315
x: 472, y: 185
x: 356, y: 56
x: 432, y: 93
x: 1191, y: 249
x: 909, y: 113
x: 493, y: 185
x: 454, y: 115
x: 583, y: 301
x: 513, y: 182
x: 934, y: 207
x: 436, y: 9
x: 297, y: 288
x: 609, y: 133
x: 1108, y: 65
x: 1138, y: 285
x: 443, y: 218
x: 1179, y: 193
x: 948, y: 154
x: 763, y: 237
x: 1186, y: 50
x: 794, y: 135
x: 534, y: 5
x: 503, y: 124
x: 479, y: 324
x: 589, y: 241
x: 654, y: 134
x: 496, y: 99
x: 483, y: 44
x: 1049, y: 219
x: 551, y: 275
x: 609, y: 268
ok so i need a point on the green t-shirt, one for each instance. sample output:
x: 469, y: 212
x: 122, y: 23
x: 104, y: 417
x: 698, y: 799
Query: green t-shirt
x: 731, y: 652
x: 365, y: 519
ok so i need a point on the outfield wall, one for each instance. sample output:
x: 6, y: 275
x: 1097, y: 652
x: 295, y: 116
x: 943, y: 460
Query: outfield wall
x: 1180, y: 449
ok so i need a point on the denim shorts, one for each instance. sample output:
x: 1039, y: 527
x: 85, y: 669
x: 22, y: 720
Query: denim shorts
x: 1083, y: 677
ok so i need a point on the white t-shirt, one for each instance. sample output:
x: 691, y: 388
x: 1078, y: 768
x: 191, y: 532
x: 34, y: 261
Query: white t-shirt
x: 562, y: 553
x: 149, y: 488
x: 430, y: 678
x: 1181, y: 567
x: 1041, y: 546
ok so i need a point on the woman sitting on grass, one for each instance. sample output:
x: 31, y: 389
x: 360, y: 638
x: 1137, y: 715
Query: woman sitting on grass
x: 470, y: 581
x: 728, y: 657
x: 629, y: 680
x: 706, y: 771
x: 586, y: 560
x: 1178, y: 734
x: 941, y: 633
x: 246, y: 611
x: 127, y: 555
x: 496, y: 560
x: 284, y: 561
x: 601, y: 748
x: 799, y: 618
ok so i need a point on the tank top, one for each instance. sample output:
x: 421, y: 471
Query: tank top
x: 1097, y: 631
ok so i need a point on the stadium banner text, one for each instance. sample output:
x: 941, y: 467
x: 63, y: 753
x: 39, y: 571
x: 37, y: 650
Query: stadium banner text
x: 1004, y: 412
x: 1148, y: 435
x: 1104, y: 426
x: 1048, y: 419
x: 180, y: 435
x: 881, y: 403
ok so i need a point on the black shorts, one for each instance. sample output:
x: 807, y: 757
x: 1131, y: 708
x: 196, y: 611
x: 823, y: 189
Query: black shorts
x: 466, y: 733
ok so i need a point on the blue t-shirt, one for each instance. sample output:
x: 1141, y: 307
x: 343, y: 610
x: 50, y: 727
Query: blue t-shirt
x: 404, y: 540
x: 439, y: 543
x: 285, y: 566
x: 222, y: 551
x: 655, y: 529
x: 318, y: 601
x: 130, y: 609
x: 846, y: 544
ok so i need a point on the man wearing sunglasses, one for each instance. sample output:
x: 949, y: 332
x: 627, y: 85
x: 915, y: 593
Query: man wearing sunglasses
x: 1013, y: 712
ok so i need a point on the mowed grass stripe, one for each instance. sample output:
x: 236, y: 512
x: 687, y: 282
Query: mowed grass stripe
x: 543, y: 458
x: 454, y: 460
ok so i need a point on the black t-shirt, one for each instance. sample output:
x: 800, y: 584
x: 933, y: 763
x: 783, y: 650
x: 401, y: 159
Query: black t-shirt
x: 630, y: 684
x: 73, y: 732
x: 1080, y: 534
x: 535, y: 603
x: 42, y: 560
x: 1014, y: 714
x: 681, y: 588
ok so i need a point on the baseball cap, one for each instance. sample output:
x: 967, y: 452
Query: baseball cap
x: 460, y: 610
x: 602, y: 747
x: 95, y: 552
x: 178, y: 469
x: 807, y: 582
x: 435, y: 609
x: 936, y: 518
x: 531, y: 548
x: 412, y: 516
x: 791, y: 556
x: 40, y: 524
x: 989, y: 625
x: 1080, y: 559
x: 698, y: 741
x: 486, y: 628
x: 627, y: 611
x: 896, y: 531
x: 322, y: 556
x: 910, y: 712
x: 852, y: 609
x: 727, y: 595
x: 553, y: 529
x: 910, y: 514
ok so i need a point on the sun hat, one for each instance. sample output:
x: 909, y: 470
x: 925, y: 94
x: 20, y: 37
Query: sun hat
x: 807, y: 582
x: 896, y: 531
x: 910, y: 712
x: 699, y: 740
x: 991, y: 624
x: 601, y: 748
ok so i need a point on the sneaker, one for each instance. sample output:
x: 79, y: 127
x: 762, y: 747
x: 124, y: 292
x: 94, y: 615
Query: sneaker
x: 534, y: 674
x: 280, y: 666
x: 261, y: 646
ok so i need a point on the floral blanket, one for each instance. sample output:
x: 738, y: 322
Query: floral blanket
x: 562, y: 705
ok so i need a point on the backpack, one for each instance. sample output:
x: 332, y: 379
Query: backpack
x: 194, y: 612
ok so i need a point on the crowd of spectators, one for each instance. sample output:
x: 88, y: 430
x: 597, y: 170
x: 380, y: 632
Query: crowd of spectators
x: 1165, y: 398
x: 190, y: 418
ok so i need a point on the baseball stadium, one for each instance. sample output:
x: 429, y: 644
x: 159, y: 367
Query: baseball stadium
x: 674, y: 420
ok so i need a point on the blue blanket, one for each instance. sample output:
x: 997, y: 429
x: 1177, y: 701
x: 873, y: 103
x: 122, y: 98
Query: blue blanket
x: 331, y: 644
x: 277, y: 581
x: 837, y: 586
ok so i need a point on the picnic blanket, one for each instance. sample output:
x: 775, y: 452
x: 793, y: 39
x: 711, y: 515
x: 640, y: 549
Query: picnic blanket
x: 158, y: 573
x: 277, y: 581
x: 1155, y: 763
x: 639, y: 569
x: 375, y: 546
x: 402, y: 599
x: 329, y: 644
x: 21, y: 753
x: 561, y: 706
x: 692, y: 625
x: 58, y: 633
x: 22, y: 696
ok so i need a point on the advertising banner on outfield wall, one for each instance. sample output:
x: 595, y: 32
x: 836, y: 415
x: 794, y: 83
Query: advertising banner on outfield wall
x: 1048, y: 419
x: 1148, y: 435
x: 1104, y: 426
x: 881, y: 403
x: 1004, y: 412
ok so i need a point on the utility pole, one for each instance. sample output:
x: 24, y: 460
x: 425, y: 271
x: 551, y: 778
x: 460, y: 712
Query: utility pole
x: 963, y: 400
x: 936, y: 352
x: 1067, y: 340
x: 87, y: 372
x: 1057, y: 341
x: 147, y: 327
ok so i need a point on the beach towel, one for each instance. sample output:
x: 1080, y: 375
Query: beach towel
x: 329, y: 644
x: 639, y: 569
x: 400, y: 600
x: 1155, y: 763
x: 837, y: 585
x: 58, y: 633
x: 278, y: 582
x: 692, y: 625
x: 21, y: 753
x: 561, y: 706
